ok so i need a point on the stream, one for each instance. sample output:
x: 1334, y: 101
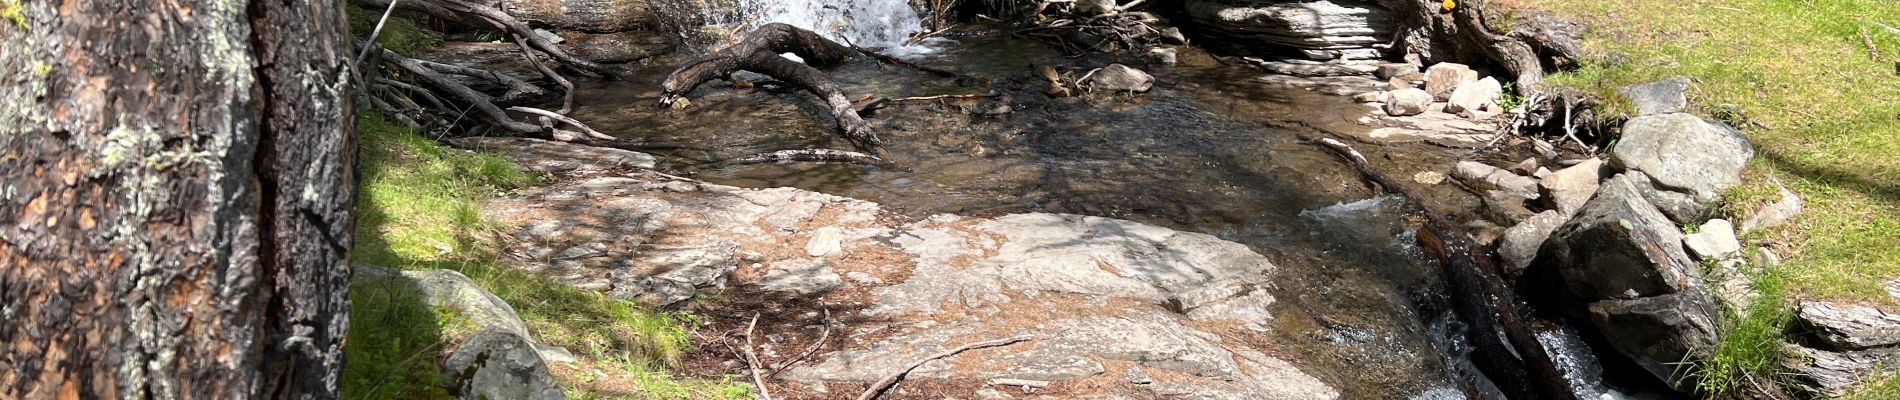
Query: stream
x: 1210, y: 149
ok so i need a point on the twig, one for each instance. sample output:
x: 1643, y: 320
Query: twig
x: 808, y: 351
x: 1872, y: 49
x: 945, y: 96
x: 564, y: 119
x: 887, y: 382
x: 567, y: 99
x: 752, y: 359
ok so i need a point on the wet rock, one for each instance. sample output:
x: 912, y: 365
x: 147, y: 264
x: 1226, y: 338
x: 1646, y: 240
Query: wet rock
x: 1569, y: 188
x: 801, y: 277
x: 495, y: 364
x: 1389, y: 71
x: 602, y: 16
x: 1518, y: 247
x: 1774, y: 214
x: 1477, y: 96
x: 1318, y: 29
x: 1163, y: 55
x: 1506, y: 207
x: 553, y: 157
x: 1658, y: 332
x: 1442, y: 79
x: 1121, y: 78
x: 617, y: 48
x: 1369, y: 97
x: 1406, y: 102
x: 1849, y: 327
x: 1619, y: 247
x: 1715, y: 240
x: 1666, y: 96
x: 1832, y: 374
x: 1682, y: 152
x: 824, y: 242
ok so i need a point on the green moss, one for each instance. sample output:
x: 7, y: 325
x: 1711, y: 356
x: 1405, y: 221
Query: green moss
x: 419, y: 208
x: 402, y: 35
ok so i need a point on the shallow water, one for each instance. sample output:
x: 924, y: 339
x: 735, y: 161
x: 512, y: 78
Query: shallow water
x: 1209, y: 150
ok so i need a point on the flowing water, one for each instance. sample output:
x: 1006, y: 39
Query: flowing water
x: 1210, y: 149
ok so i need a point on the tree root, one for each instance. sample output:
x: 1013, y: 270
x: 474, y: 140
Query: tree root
x: 1507, y: 350
x: 887, y: 382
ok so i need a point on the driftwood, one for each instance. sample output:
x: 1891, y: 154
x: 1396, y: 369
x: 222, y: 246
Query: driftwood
x: 1506, y: 349
x: 823, y: 156
x: 759, y: 52
x: 879, y: 387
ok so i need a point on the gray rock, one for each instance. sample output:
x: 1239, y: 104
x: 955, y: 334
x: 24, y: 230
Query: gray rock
x: 1849, y: 327
x: 1831, y: 374
x: 1388, y: 71
x: 682, y: 271
x: 1715, y: 240
x: 1505, y: 207
x: 1519, y: 245
x: 801, y: 277
x: 1682, y: 152
x: 447, y: 289
x: 1658, y: 332
x: 1774, y: 214
x: 1765, y: 258
x: 1567, y: 189
x: 1477, y: 96
x: 558, y: 157
x: 1095, y: 7
x: 1369, y: 97
x: 1485, y: 176
x: 1619, y: 247
x: 1666, y: 96
x: 1683, y: 208
x: 1163, y: 55
x: 1406, y: 102
x: 495, y: 364
x: 1172, y: 35
x: 1444, y: 78
x: 1319, y: 29
x: 1121, y: 78
x: 1528, y: 167
x: 824, y: 242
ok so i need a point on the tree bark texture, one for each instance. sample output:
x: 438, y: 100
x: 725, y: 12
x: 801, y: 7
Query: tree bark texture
x: 176, y: 196
x: 1534, y: 44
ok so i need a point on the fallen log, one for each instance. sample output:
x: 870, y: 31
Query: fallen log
x: 1506, y: 350
x: 759, y: 52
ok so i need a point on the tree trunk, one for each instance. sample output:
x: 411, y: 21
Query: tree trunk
x: 176, y: 195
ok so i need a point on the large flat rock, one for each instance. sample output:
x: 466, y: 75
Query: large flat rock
x: 1684, y: 153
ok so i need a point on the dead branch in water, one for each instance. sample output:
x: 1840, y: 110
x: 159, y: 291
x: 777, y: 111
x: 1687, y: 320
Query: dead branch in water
x: 822, y: 156
x: 759, y: 52
x: 887, y: 382
x: 1516, y: 362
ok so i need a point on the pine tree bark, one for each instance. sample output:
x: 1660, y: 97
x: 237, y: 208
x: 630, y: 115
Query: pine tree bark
x: 176, y: 196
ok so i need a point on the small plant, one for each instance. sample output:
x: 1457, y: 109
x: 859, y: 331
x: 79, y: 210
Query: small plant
x: 1748, y: 353
x: 1510, y: 99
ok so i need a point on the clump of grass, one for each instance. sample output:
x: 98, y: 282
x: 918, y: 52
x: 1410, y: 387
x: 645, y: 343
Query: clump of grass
x: 402, y: 35
x: 1885, y: 386
x: 419, y: 208
x: 1748, y: 354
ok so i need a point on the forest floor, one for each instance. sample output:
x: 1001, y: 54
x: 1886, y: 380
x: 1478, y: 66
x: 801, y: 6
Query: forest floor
x: 1819, y: 84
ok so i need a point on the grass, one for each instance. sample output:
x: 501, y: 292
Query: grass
x: 1820, y: 110
x: 419, y: 208
x: 1748, y: 354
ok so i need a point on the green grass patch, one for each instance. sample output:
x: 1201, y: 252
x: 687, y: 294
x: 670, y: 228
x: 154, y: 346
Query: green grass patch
x: 419, y: 208
x: 1822, y: 111
x: 1747, y: 355
x: 402, y: 35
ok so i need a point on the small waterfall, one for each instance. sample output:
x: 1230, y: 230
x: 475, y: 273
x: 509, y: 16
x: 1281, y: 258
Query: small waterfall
x: 886, y: 24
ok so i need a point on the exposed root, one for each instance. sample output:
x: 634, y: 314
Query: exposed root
x: 887, y: 382
x: 759, y: 52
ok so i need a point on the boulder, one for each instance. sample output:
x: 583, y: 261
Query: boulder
x: 1406, y: 102
x: 1318, y: 29
x: 1567, y: 189
x: 1619, y: 247
x: 1775, y: 213
x: 1849, y: 327
x: 447, y: 289
x: 496, y: 364
x: 1444, y: 78
x: 1666, y: 96
x: 1683, y: 208
x: 1659, y: 332
x: 596, y: 16
x: 1477, y: 96
x: 1506, y: 207
x: 1682, y: 152
x: 1388, y: 71
x: 1830, y: 374
x: 1121, y: 78
x: 1715, y: 240
x: 561, y: 158
x: 1518, y: 247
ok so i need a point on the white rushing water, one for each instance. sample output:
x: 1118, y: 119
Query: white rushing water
x: 886, y: 24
